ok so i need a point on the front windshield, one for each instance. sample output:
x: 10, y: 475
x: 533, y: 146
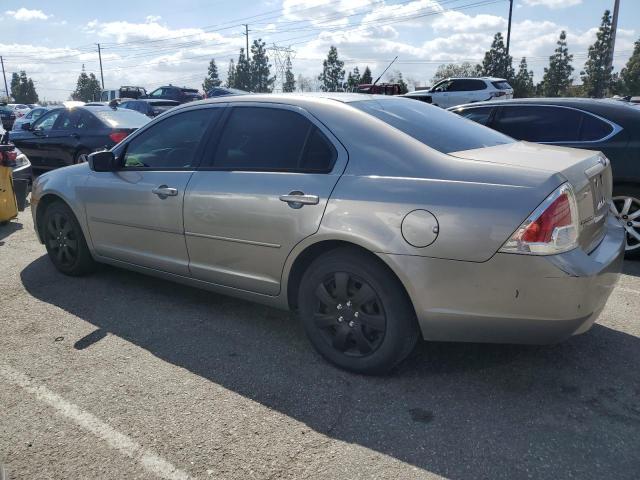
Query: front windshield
x: 439, y: 129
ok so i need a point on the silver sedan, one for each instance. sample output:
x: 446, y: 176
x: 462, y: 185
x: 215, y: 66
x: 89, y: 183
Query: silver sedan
x: 379, y: 220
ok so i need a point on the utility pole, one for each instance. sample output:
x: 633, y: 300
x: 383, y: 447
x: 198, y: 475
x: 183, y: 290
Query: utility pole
x: 6, y: 89
x: 246, y: 34
x: 100, y: 58
x: 509, y: 26
x: 614, y: 28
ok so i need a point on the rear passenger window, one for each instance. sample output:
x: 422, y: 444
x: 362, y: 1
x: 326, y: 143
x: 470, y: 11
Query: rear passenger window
x: 270, y: 139
x: 540, y: 124
x: 594, y: 129
x: 478, y: 115
x: 171, y: 143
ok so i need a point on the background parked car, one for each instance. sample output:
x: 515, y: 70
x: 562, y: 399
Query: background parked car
x: 179, y: 94
x: 63, y: 136
x: 20, y: 167
x: 456, y: 91
x: 7, y: 117
x: 149, y: 107
x: 609, y: 126
x: 19, y: 109
x: 123, y: 92
x: 30, y: 117
x: 223, y: 91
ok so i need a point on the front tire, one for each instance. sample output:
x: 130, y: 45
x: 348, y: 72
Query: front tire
x: 356, y: 313
x: 626, y: 208
x: 65, y: 242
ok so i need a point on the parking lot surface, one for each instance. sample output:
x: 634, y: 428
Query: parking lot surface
x: 118, y: 375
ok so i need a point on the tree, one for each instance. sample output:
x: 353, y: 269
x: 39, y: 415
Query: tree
x: 304, y: 83
x: 496, y: 62
x: 332, y: 75
x: 447, y: 70
x: 242, y: 76
x: 212, y: 79
x: 522, y: 83
x: 289, y: 84
x: 87, y: 87
x: 630, y: 74
x: 396, y: 77
x: 353, y: 79
x: 260, y: 68
x: 22, y: 88
x: 557, y: 76
x: 596, y: 76
x: 366, y: 76
x: 231, y: 74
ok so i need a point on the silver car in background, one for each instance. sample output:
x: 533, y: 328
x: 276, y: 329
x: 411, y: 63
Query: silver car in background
x: 377, y: 219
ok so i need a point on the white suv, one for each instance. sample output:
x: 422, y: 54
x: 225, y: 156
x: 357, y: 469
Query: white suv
x: 457, y: 91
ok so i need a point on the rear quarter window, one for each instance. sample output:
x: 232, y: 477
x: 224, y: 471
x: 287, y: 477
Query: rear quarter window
x: 594, y: 129
x: 439, y: 129
x: 501, y: 85
x: 121, y: 118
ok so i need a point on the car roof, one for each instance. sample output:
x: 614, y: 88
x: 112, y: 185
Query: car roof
x: 292, y: 98
x: 614, y: 110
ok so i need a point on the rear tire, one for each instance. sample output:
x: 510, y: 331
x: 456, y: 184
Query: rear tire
x: 65, y: 242
x: 81, y: 156
x: 626, y: 207
x: 356, y: 313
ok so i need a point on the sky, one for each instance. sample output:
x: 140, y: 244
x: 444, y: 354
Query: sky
x: 153, y: 43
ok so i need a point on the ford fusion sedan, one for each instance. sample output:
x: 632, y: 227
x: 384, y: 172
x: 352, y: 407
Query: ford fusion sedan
x: 379, y: 220
x: 64, y: 136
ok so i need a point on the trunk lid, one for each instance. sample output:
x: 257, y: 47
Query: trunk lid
x: 589, y: 173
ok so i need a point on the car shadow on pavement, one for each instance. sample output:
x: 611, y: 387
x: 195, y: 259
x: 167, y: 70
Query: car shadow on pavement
x: 7, y: 229
x: 632, y: 267
x: 462, y: 411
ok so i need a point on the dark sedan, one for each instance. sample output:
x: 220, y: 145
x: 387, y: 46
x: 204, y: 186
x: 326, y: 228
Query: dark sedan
x: 64, y: 136
x: 150, y: 108
x: 609, y: 126
x: 7, y: 117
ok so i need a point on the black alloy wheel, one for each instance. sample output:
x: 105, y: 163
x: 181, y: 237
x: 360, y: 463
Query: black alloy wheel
x: 349, y: 314
x: 64, y: 241
x: 61, y: 240
x: 356, y: 312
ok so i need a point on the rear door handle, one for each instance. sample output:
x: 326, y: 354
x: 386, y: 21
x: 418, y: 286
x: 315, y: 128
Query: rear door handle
x: 299, y: 199
x: 164, y: 191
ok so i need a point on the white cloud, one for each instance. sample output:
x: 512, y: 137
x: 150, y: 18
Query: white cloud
x: 461, y: 22
x: 553, y: 3
x: 24, y: 14
x: 327, y: 13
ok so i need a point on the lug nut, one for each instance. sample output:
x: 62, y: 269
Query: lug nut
x: 340, y: 319
x: 339, y: 306
x: 348, y: 303
x: 352, y: 324
x: 356, y: 314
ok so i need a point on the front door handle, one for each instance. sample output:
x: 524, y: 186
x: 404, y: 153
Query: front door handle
x: 164, y: 191
x: 297, y: 199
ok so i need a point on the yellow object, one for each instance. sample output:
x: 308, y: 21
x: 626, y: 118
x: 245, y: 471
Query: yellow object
x: 8, y: 205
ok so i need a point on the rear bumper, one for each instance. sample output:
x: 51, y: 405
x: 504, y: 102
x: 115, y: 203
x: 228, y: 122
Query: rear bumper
x: 512, y: 298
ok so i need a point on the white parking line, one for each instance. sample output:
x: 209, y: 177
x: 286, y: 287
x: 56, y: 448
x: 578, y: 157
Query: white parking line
x: 125, y: 445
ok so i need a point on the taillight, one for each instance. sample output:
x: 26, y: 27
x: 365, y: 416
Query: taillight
x: 499, y: 93
x: 118, y: 136
x: 552, y: 228
x: 8, y: 158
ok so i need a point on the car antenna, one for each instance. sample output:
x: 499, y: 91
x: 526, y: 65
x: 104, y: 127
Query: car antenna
x: 385, y: 70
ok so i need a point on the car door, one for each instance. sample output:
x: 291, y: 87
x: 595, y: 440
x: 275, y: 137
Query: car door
x: 34, y: 142
x: 440, y: 94
x: 135, y: 213
x: 264, y: 190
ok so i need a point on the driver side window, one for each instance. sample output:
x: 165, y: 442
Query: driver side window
x: 442, y: 86
x: 172, y: 143
x: 46, y: 122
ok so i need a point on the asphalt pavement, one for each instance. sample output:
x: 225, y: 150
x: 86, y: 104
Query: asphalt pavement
x: 119, y: 375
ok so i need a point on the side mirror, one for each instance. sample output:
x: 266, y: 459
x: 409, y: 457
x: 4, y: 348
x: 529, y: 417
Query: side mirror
x: 26, y: 126
x: 102, y: 161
